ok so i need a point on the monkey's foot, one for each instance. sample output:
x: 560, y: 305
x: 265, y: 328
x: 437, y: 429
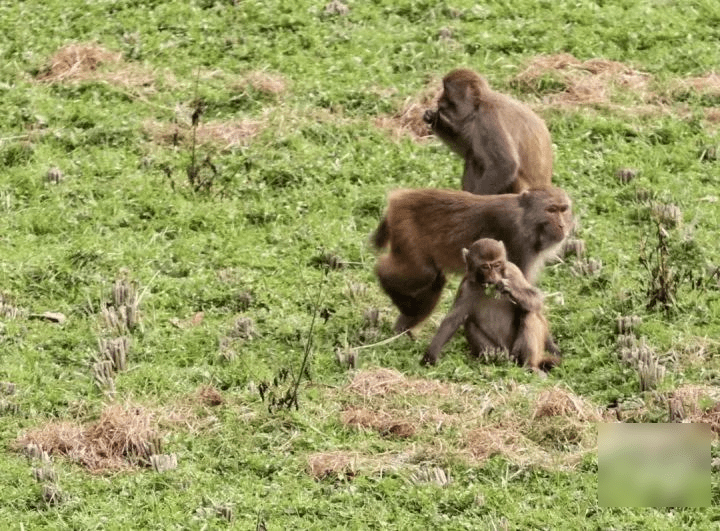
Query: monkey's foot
x: 404, y: 323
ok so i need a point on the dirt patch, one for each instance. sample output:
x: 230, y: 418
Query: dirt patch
x: 408, y: 120
x: 91, y: 62
x: 225, y: 135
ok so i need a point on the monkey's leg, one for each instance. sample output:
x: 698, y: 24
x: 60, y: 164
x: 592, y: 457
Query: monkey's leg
x: 447, y: 328
x: 478, y: 341
x: 414, y: 292
x: 529, y: 345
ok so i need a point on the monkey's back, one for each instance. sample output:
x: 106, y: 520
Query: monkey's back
x: 437, y: 224
x: 533, y: 140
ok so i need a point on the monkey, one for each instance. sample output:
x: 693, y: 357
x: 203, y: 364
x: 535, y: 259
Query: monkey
x: 428, y: 228
x: 505, y: 145
x: 514, y: 321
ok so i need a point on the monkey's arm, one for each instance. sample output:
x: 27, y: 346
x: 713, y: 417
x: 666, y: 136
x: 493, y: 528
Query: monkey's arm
x: 450, y: 324
x: 494, y: 151
x: 520, y: 291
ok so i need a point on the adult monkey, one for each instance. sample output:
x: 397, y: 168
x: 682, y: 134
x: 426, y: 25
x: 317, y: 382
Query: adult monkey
x: 505, y: 145
x: 427, y: 230
x: 511, y: 320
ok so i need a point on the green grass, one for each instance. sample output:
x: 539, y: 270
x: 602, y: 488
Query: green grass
x: 312, y: 182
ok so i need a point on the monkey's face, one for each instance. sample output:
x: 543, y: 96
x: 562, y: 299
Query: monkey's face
x: 550, y: 211
x: 558, y: 222
x: 490, y: 272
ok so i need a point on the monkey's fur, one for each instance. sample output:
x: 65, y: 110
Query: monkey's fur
x: 514, y: 321
x: 427, y: 230
x: 505, y: 145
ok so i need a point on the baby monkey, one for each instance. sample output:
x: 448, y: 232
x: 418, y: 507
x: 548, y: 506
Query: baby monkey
x: 511, y: 318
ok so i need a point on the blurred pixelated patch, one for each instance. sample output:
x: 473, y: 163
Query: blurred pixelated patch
x: 654, y: 465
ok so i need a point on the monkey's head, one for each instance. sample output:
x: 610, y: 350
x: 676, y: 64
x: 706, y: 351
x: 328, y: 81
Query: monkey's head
x: 460, y: 98
x: 548, y: 212
x: 485, y: 261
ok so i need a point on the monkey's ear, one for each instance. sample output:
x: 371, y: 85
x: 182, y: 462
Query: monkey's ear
x: 525, y: 198
x: 465, y: 252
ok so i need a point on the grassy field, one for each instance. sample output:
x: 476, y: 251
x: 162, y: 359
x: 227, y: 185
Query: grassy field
x: 188, y: 188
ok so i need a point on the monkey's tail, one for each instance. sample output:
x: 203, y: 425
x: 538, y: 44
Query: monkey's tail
x: 549, y: 361
x: 381, y: 235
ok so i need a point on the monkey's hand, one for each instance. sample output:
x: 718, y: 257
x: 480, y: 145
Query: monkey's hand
x: 503, y: 287
x: 429, y: 117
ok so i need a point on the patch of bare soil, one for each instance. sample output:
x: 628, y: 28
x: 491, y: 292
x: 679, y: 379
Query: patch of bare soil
x: 408, y: 120
x: 91, y: 62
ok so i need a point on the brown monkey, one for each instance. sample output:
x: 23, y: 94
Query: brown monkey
x: 505, y: 145
x: 513, y: 322
x: 427, y: 230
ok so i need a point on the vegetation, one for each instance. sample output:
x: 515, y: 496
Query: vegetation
x: 185, y: 202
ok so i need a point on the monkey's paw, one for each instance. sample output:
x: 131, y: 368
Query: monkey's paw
x: 429, y: 116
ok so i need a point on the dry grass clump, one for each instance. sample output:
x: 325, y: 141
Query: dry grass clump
x: 207, y: 395
x: 409, y: 119
x: 389, y: 381
x: 349, y: 464
x: 382, y: 421
x: 697, y: 403
x: 553, y: 427
x: 123, y: 437
x: 92, y: 62
x: 708, y: 84
x: 225, y: 135
x: 266, y: 82
x: 591, y: 82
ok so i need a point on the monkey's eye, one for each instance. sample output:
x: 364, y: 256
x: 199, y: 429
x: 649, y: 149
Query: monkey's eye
x: 485, y: 267
x: 551, y: 209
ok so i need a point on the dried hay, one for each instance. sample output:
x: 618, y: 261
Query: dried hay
x: 709, y: 84
x: 382, y: 421
x: 207, y: 395
x: 91, y: 62
x: 557, y: 401
x: 388, y: 381
x: 266, y: 82
x: 224, y: 134
x: 123, y: 437
x: 697, y: 403
x: 552, y: 427
x: 591, y: 82
x: 409, y: 119
x: 487, y: 441
x: 349, y: 464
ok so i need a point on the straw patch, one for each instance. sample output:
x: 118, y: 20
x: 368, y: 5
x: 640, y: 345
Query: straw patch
x: 592, y: 82
x: 552, y: 427
x: 124, y: 437
x: 224, y: 134
x: 91, y: 62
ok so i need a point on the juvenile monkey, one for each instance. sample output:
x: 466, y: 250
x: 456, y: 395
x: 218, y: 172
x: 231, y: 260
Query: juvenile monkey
x: 505, y: 145
x: 513, y: 322
x: 427, y: 230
